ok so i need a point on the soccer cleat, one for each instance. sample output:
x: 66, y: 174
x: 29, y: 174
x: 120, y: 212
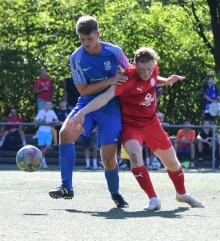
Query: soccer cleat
x: 62, y: 192
x: 186, y: 198
x: 120, y: 201
x: 154, y: 204
x: 87, y: 167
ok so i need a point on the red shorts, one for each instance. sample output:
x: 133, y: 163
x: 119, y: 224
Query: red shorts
x: 153, y: 134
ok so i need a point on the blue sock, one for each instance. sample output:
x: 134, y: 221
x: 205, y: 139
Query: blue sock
x: 112, y: 179
x: 67, y: 162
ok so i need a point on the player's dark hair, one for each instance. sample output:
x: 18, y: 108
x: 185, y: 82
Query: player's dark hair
x: 62, y: 100
x: 187, y: 120
x: 86, y: 25
x: 13, y: 108
x: 210, y: 76
x: 146, y: 54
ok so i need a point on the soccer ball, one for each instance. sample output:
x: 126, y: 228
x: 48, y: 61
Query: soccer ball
x: 156, y: 165
x: 29, y: 158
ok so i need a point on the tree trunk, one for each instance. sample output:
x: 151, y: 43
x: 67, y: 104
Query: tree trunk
x: 214, y: 6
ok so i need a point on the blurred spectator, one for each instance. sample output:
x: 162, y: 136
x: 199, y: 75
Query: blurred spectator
x: 12, y: 129
x: 185, y: 142
x: 61, y: 113
x: 91, y: 141
x: 161, y: 117
x: 204, y: 141
x: 71, y: 93
x: 46, y: 117
x: 211, y: 95
x: 44, y: 89
x: 125, y: 165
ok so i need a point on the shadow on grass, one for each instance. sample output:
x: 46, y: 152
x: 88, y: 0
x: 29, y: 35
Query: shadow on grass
x: 116, y: 213
x: 34, y: 214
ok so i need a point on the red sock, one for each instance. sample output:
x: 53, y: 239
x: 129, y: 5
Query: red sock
x: 178, y: 180
x: 142, y: 176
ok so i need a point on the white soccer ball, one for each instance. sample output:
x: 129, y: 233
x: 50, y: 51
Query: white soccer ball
x: 156, y: 165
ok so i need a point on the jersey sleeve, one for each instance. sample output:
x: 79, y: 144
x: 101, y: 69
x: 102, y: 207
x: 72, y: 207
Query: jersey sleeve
x: 217, y: 93
x: 54, y: 115
x: 20, y: 119
x: 205, y: 90
x: 125, y: 87
x: 76, y: 69
x: 39, y: 116
x: 123, y: 61
x: 193, y: 134
x: 36, y: 84
x: 179, y: 133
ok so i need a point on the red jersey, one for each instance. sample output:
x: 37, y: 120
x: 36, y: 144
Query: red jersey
x: 10, y: 119
x: 137, y: 98
x: 40, y: 84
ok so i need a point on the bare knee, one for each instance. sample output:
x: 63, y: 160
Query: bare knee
x: 65, y: 136
x: 109, y: 162
x: 133, y: 157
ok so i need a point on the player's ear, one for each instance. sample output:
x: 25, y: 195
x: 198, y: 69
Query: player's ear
x: 98, y: 34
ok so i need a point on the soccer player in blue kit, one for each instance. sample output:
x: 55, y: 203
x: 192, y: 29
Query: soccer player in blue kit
x: 94, y: 67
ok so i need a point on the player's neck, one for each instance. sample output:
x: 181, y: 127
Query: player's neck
x: 97, y: 49
x: 206, y: 130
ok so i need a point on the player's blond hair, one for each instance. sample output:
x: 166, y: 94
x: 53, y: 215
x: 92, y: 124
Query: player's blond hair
x: 86, y: 25
x: 146, y: 54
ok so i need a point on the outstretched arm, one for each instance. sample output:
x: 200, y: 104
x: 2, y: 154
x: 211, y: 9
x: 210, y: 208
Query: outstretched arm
x: 170, y: 80
x: 101, y: 100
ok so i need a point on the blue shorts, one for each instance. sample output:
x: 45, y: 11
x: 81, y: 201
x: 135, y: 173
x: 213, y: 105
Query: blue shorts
x: 107, y: 121
x: 184, y: 150
x: 44, y: 138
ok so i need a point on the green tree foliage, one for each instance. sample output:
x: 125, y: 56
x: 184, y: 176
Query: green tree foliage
x: 41, y: 34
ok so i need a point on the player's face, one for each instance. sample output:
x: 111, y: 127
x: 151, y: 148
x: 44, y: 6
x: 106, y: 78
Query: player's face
x: 13, y: 112
x: 187, y: 123
x: 63, y: 104
x: 43, y: 74
x: 206, y: 123
x: 210, y: 81
x: 145, y: 70
x: 90, y: 42
x: 47, y: 105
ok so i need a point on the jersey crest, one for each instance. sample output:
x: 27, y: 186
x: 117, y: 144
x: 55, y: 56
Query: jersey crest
x: 152, y: 82
x: 107, y: 65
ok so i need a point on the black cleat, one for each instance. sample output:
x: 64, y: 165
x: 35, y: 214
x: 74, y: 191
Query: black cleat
x: 62, y: 192
x: 120, y: 202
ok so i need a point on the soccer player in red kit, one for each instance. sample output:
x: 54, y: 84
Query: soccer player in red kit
x: 140, y: 124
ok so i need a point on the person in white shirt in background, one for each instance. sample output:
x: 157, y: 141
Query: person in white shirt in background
x: 47, y: 117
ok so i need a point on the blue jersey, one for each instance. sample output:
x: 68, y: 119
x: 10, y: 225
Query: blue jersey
x: 92, y: 68
x: 211, y: 92
x: 158, y: 88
